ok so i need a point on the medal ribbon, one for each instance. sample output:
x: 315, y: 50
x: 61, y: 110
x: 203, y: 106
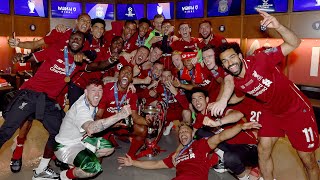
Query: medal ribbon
x: 167, y: 94
x: 66, y: 63
x: 184, y: 148
x: 116, y: 97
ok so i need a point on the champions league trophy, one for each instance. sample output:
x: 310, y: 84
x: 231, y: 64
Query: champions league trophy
x: 159, y: 9
x: 31, y: 5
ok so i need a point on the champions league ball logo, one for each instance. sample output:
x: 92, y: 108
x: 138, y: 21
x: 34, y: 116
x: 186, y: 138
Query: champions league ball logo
x: 100, y: 12
x: 223, y: 6
x: 130, y: 14
x: 31, y: 5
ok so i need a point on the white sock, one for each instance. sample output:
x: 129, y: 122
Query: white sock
x: 220, y: 153
x: 246, y: 177
x: 44, y: 162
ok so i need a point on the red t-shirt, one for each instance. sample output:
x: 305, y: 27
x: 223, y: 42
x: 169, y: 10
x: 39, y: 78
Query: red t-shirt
x: 219, y: 73
x: 81, y: 78
x: 216, y: 41
x: 109, y: 35
x: 108, y: 101
x: 244, y: 137
x: 122, y: 62
x: 49, y: 78
x: 175, y: 102
x: 57, y: 38
x: 134, y: 43
x: 181, y: 45
x: 193, y: 162
x: 268, y: 85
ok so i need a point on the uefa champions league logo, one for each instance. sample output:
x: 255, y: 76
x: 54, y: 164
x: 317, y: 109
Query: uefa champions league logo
x: 130, y: 14
x: 223, y: 6
x: 31, y: 5
x: 100, y: 12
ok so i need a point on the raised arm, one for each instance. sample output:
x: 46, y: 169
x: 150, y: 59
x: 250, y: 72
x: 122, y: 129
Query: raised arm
x: 232, y: 117
x: 229, y: 133
x: 14, y: 42
x: 92, y: 127
x: 218, y: 107
x: 101, y: 65
x: 291, y: 40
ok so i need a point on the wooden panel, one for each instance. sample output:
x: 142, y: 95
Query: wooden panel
x: 232, y: 26
x: 251, y: 26
x: 6, y: 25
x: 22, y: 24
x: 301, y: 24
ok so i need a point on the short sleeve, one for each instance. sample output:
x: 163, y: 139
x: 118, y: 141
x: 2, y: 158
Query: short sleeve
x: 168, y: 161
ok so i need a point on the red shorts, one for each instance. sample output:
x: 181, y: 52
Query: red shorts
x: 300, y: 127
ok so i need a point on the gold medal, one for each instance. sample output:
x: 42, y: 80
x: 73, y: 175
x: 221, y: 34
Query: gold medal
x: 67, y: 79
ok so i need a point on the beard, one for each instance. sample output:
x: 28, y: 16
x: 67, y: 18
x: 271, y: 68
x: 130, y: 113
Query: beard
x: 238, y: 72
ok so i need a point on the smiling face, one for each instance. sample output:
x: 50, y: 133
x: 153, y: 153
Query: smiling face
x: 185, y: 135
x: 155, y: 54
x: 156, y: 70
x: 165, y: 27
x: 177, y: 62
x: 157, y: 22
x: 166, y: 76
x: 97, y: 30
x: 116, y: 45
x: 141, y: 56
x: 188, y: 64
x: 205, y: 30
x: 76, y: 42
x: 143, y: 29
x: 209, y: 59
x: 93, y: 93
x: 184, y: 31
x: 128, y: 30
x: 199, y: 101
x: 231, y: 61
x: 83, y: 23
x: 125, y: 77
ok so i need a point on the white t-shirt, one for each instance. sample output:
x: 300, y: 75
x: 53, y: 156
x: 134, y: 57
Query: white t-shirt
x: 71, y: 131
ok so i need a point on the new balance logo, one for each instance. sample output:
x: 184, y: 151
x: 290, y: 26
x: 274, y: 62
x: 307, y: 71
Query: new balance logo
x: 22, y: 105
x: 311, y: 146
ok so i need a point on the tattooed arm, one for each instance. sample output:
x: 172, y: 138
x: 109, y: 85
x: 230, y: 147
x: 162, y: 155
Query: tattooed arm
x: 92, y: 127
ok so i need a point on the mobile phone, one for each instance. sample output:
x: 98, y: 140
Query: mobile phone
x: 157, y: 34
x: 13, y: 35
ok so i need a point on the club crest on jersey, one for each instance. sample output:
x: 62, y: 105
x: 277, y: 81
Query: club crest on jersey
x: 271, y: 50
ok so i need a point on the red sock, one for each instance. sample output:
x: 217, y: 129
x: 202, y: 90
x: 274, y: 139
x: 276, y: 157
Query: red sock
x: 70, y: 174
x: 17, y: 153
x: 135, y: 146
